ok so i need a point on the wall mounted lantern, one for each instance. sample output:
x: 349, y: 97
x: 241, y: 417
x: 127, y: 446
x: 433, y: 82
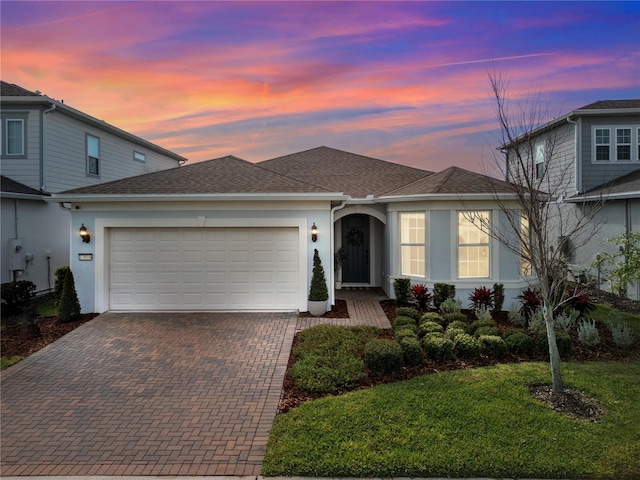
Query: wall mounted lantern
x: 314, y: 232
x: 84, y: 234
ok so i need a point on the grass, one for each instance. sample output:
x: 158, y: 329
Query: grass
x: 466, y: 423
x: 605, y: 315
x: 48, y: 308
x: 6, y: 362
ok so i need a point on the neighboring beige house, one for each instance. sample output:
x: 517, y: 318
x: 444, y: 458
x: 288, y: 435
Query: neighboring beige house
x: 589, y: 155
x: 47, y: 147
x: 227, y: 234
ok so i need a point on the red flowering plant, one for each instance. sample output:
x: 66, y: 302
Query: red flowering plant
x: 531, y: 300
x: 422, y: 296
x: 580, y: 301
x: 482, y: 297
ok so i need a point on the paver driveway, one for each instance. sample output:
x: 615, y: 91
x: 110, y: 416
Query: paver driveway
x: 148, y: 394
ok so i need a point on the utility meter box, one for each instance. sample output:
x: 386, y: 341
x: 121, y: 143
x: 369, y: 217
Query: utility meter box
x: 16, y: 254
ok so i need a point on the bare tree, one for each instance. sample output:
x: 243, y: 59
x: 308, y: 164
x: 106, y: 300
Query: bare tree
x: 535, y: 222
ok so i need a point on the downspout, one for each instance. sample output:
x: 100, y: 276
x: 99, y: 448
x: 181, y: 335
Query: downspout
x: 576, y: 153
x: 332, y: 281
x: 43, y: 143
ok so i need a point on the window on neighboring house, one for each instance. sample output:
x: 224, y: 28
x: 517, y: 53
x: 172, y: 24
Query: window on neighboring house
x: 473, y: 245
x: 15, y: 137
x: 141, y: 157
x: 603, y: 144
x: 540, y: 152
x: 525, y: 264
x: 412, y: 244
x: 623, y: 144
x: 93, y: 155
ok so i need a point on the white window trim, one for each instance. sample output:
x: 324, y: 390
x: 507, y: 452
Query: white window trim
x: 410, y: 244
x: 6, y: 138
x: 489, y: 245
x: 613, y: 145
x: 86, y: 146
x: 540, y: 156
x: 139, y: 156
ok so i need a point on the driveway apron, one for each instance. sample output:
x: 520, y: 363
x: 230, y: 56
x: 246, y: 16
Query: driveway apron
x: 148, y: 394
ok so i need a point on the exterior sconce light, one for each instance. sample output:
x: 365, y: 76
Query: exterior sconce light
x: 314, y: 232
x: 84, y: 234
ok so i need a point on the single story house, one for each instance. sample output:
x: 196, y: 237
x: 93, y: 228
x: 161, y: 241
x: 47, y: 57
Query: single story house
x: 227, y: 234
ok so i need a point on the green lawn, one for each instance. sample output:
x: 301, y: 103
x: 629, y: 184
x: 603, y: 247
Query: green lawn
x: 607, y: 315
x: 466, y: 423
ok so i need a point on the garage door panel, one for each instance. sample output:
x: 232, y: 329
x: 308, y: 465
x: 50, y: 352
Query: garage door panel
x: 204, y: 268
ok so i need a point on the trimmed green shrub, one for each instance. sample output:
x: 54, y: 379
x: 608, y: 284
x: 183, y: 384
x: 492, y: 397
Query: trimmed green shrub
x: 16, y: 295
x: 510, y: 331
x: 434, y: 334
x: 493, y: 331
x: 471, y: 329
x: 364, y: 333
x: 325, y: 340
x: 317, y: 374
x: 492, y: 345
x: 519, y: 343
x: 69, y: 305
x: 61, y: 273
x: 452, y: 333
x: 383, y: 356
x: 451, y: 305
x: 318, y: 291
x: 402, y: 333
x: 442, y: 291
x: 408, y: 312
x: 429, y: 327
x: 498, y: 297
x: 461, y: 324
x: 411, y: 351
x: 465, y: 346
x: 402, y: 290
x: 450, y: 318
x: 432, y: 317
x: 404, y: 322
x: 436, y: 348
x: 563, y: 341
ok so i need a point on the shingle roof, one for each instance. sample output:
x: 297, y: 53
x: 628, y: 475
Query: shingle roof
x: 612, y: 104
x: 626, y: 184
x: 453, y: 180
x: 7, y: 185
x: 12, y: 90
x: 222, y: 175
x: 339, y: 171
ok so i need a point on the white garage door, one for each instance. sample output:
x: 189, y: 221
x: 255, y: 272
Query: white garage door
x: 203, y: 269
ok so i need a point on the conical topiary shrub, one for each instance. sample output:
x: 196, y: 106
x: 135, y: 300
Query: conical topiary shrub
x: 68, y: 306
x: 318, y: 293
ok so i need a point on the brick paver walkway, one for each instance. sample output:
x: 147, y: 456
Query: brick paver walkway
x: 148, y: 394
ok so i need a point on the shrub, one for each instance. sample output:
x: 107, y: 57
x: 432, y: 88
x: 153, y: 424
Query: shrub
x: 481, y: 296
x: 492, y: 345
x: 16, y: 295
x: 498, y: 297
x: 383, y: 356
x: 452, y: 333
x: 458, y: 324
x: 450, y: 318
x: 411, y: 351
x: 61, y: 273
x: 408, y: 312
x: 482, y: 313
x: 471, y: 329
x: 439, y: 349
x: 621, y: 334
x: 402, y: 290
x: 432, y: 317
x: 588, y: 333
x: 565, y: 321
x: 510, y: 331
x: 364, y: 333
x: 581, y: 303
x: 421, y: 295
x: 325, y: 340
x: 69, y: 306
x: 563, y: 342
x: 519, y: 343
x: 451, y: 305
x: 329, y: 374
x: 487, y: 330
x: 536, y: 321
x: 516, y: 317
x: 429, y: 327
x: 318, y: 291
x: 465, y: 346
x: 404, y: 333
x: 442, y: 291
x: 530, y: 300
x: 401, y: 322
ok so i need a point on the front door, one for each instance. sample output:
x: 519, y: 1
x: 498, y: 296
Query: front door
x: 355, y: 245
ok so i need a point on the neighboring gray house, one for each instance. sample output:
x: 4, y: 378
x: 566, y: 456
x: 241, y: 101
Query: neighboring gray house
x: 47, y: 147
x: 227, y: 234
x: 589, y: 155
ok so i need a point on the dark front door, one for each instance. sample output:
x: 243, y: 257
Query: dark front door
x: 355, y: 245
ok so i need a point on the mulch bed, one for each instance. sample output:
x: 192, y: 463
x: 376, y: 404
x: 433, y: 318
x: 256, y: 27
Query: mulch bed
x: 339, y: 310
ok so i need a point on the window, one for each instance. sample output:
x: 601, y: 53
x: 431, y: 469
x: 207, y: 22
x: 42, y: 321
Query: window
x: 623, y: 144
x: 603, y: 143
x: 412, y: 244
x: 15, y: 137
x: 141, y: 157
x: 93, y: 155
x: 540, y: 151
x: 525, y: 264
x: 473, y: 245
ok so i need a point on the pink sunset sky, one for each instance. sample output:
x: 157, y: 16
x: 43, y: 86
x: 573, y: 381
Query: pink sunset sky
x: 404, y: 81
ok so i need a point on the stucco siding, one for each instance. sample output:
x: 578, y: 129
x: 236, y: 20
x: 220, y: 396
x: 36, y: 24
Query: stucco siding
x: 24, y: 170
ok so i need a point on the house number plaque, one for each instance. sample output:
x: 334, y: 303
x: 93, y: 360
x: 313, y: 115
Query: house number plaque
x: 85, y: 257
